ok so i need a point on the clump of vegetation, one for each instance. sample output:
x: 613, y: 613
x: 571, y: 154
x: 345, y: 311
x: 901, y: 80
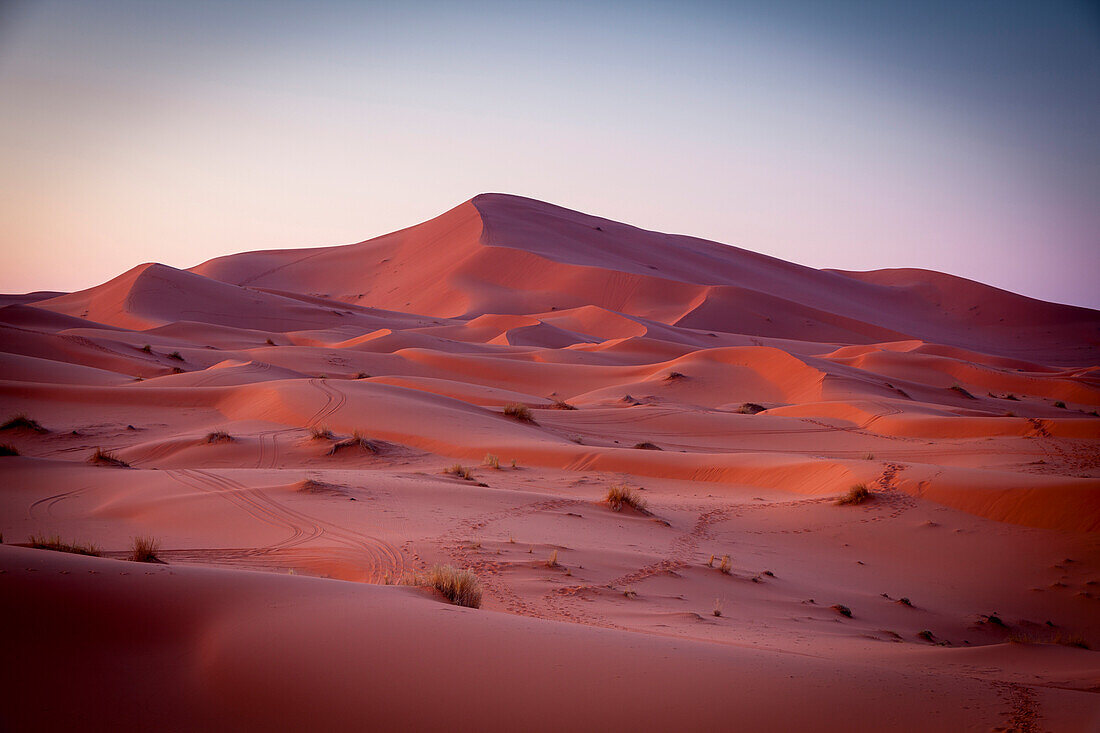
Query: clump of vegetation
x: 750, y: 408
x: 8, y: 450
x: 927, y: 636
x: 519, y: 411
x: 673, y: 376
x: 842, y: 610
x: 219, y: 436
x: 552, y: 561
x: 22, y: 422
x: 460, y: 587
x: 995, y: 620
x: 321, y: 433
x: 646, y: 445
x: 905, y: 602
x: 717, y: 608
x: 491, y: 461
x: 962, y: 390
x: 147, y: 349
x: 145, y: 549
x: 362, y: 375
x: 270, y: 342
x: 868, y: 456
x: 561, y: 405
x: 726, y: 566
x: 461, y: 471
x: 578, y: 439
x: 620, y: 495
x: 1012, y: 397
x: 42, y: 542
x: 1061, y: 404
x: 356, y: 441
x: 176, y: 355
x: 107, y: 458
x: 856, y: 495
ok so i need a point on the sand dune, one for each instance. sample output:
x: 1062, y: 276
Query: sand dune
x: 301, y: 413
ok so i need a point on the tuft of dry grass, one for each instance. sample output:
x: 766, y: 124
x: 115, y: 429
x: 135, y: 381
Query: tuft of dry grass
x: 107, y: 458
x: 717, y: 608
x: 842, y: 610
x: 321, y: 432
x: 562, y: 405
x: 552, y: 561
x: 219, y: 436
x: 673, y: 376
x: 362, y: 375
x: 147, y: 349
x: 461, y: 471
x: 646, y: 445
x: 22, y: 422
x: 145, y: 549
x: 927, y: 635
x: 726, y: 566
x: 868, y: 456
x: 519, y: 411
x: 1060, y: 637
x: 750, y: 408
x: 54, y: 542
x: 176, y: 355
x: 356, y: 441
x: 270, y: 342
x: 856, y: 495
x: 956, y: 387
x: 710, y: 562
x: 8, y: 450
x: 460, y: 587
x: 620, y: 495
x: 1061, y: 404
x: 491, y: 461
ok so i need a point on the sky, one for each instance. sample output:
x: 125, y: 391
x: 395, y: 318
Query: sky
x: 955, y: 136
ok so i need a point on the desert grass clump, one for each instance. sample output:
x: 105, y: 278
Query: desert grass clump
x: 270, y: 342
x: 673, y: 376
x: 646, y: 445
x: 552, y: 561
x: 22, y: 422
x: 519, y: 411
x: 145, y: 549
x: 561, y: 405
x: 8, y: 450
x: 750, y: 408
x: 726, y: 566
x: 856, y: 495
x: 357, y: 440
x: 176, y: 355
x: 460, y: 587
x: 461, y: 471
x: 717, y: 612
x: 55, y: 543
x: 868, y: 456
x: 491, y: 461
x: 219, y: 436
x: 620, y: 495
x: 147, y: 349
x: 962, y: 390
x: 321, y: 432
x: 842, y: 610
x: 927, y: 635
x: 107, y: 458
x: 362, y: 375
x: 1060, y: 404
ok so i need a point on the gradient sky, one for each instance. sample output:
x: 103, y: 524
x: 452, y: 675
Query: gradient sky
x: 956, y: 136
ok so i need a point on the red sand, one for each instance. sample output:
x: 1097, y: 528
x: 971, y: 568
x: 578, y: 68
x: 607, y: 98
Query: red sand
x: 944, y: 396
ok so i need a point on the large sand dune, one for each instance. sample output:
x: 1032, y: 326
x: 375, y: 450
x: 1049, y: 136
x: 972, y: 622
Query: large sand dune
x: 739, y: 395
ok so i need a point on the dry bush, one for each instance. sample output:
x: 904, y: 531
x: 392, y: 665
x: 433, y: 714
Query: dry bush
x: 562, y: 405
x: 646, y: 445
x: 856, y: 495
x: 726, y: 566
x: 717, y: 607
x: 145, y: 549
x: 962, y: 390
x: 321, y: 433
x: 1061, y: 404
x: 356, y: 441
x: 750, y: 408
x: 362, y: 375
x: 491, y: 461
x: 620, y: 495
x: 927, y: 636
x: 107, y: 458
x: 22, y: 422
x: 8, y: 450
x: 270, y: 342
x: 42, y: 542
x: 460, y: 587
x: 552, y: 561
x: 147, y: 349
x: 219, y: 436
x: 519, y: 411
x: 673, y: 376
x: 461, y: 471
x: 176, y: 355
x: 842, y: 610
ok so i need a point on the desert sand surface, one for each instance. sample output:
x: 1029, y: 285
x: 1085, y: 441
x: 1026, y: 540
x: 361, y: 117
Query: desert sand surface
x: 283, y: 423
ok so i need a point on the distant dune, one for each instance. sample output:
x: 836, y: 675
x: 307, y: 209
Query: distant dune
x: 466, y: 391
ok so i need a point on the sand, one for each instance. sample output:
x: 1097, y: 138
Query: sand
x: 763, y: 390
